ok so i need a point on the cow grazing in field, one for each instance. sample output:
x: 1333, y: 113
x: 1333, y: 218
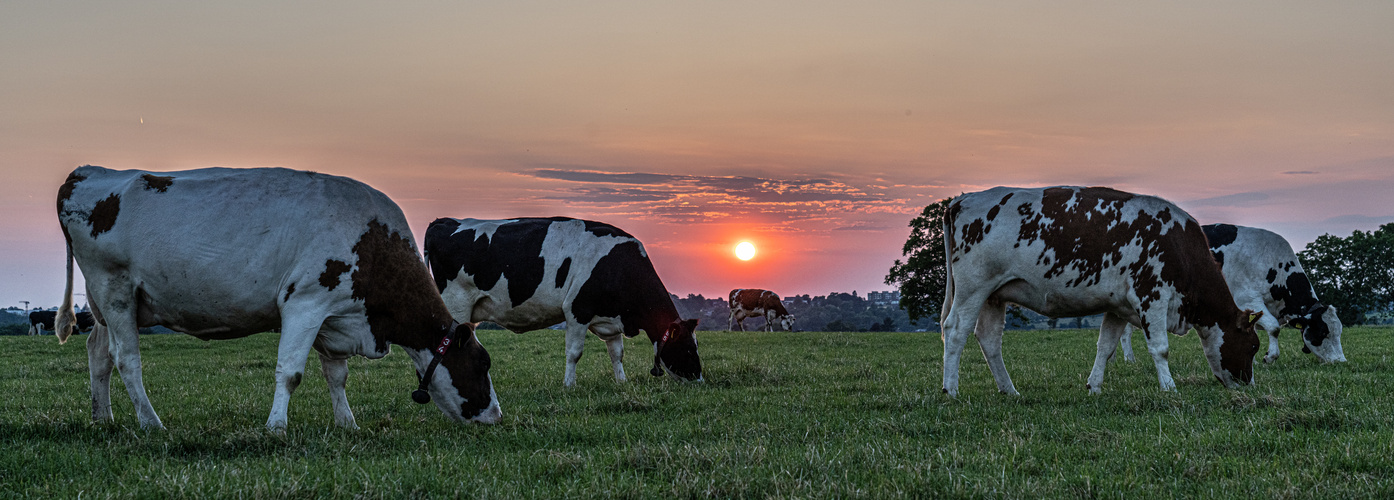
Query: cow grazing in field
x: 225, y: 253
x: 757, y: 303
x: 41, y: 322
x: 530, y: 273
x: 1264, y: 274
x: 1076, y: 251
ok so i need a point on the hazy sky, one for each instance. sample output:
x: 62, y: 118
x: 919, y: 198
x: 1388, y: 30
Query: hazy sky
x: 816, y: 130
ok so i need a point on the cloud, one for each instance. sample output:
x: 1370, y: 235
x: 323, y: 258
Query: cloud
x: 1248, y: 199
x: 1360, y: 219
x: 695, y: 198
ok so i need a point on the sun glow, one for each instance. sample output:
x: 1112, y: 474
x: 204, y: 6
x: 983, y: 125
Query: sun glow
x: 745, y: 250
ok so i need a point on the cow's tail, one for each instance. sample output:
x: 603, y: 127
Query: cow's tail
x: 948, y: 229
x: 66, y: 321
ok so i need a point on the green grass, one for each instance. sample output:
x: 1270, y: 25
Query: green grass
x: 788, y: 415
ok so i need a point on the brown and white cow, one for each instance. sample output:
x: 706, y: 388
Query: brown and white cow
x: 1264, y: 274
x: 531, y: 273
x: 757, y: 303
x: 225, y: 253
x: 1077, y: 251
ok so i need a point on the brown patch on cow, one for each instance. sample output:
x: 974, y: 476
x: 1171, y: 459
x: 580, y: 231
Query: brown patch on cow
x: 402, y: 303
x: 104, y: 214
x: 156, y: 182
x: 329, y: 279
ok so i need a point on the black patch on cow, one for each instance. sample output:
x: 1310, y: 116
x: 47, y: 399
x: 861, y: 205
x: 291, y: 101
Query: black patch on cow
x: 1296, y: 294
x: 291, y: 289
x: 329, y: 279
x: 403, y: 308
x: 514, y: 252
x: 1219, y: 258
x: 625, y: 284
x: 562, y: 271
x: 1316, y: 331
x: 1219, y: 235
x: 992, y: 212
x: 157, y: 182
x: 1272, y: 275
x: 65, y: 192
x: 104, y: 214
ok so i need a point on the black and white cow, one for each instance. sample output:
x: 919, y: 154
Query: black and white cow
x: 1264, y: 274
x: 41, y: 322
x: 1076, y: 251
x: 224, y: 253
x: 757, y: 303
x: 530, y: 273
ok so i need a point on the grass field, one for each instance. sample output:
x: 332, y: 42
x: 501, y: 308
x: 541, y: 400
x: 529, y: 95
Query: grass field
x: 787, y: 415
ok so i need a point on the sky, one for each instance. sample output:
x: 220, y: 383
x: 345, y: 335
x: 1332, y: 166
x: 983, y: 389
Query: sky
x: 816, y: 130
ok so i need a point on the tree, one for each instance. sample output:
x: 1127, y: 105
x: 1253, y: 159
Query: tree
x: 1355, y: 274
x: 921, y: 278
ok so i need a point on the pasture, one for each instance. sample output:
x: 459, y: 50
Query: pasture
x: 787, y: 415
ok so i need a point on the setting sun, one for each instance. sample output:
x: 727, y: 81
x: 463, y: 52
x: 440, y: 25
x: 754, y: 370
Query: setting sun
x: 745, y: 250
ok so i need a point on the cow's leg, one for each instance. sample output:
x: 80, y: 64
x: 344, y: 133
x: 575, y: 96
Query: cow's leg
x: 1269, y: 322
x: 123, y: 339
x: 1125, y: 343
x: 963, y: 315
x: 99, y: 363
x: 768, y: 324
x: 731, y: 321
x: 1111, y: 332
x: 336, y: 375
x: 615, y: 345
x: 1154, y: 327
x: 991, y: 322
x: 575, y: 341
x: 298, y: 334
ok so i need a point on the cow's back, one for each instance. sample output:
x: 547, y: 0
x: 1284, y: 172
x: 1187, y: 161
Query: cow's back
x: 215, y: 250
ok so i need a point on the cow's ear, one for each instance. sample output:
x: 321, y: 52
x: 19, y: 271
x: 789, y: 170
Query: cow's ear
x: 1250, y: 318
x: 1298, y: 323
x: 689, y: 325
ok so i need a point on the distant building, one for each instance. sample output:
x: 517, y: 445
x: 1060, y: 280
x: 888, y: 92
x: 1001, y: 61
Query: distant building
x: 891, y: 298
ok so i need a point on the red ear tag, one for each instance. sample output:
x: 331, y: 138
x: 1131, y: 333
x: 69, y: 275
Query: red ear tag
x: 444, y: 344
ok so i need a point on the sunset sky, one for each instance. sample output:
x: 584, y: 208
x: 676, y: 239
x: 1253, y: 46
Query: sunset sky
x: 815, y: 130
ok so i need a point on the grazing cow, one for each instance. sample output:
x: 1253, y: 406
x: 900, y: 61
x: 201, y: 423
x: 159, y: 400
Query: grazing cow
x: 1264, y: 274
x: 754, y: 303
x: 224, y: 253
x: 1075, y: 251
x: 41, y: 322
x: 531, y: 273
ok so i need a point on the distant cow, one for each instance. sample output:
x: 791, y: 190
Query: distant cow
x: 757, y: 303
x: 225, y: 253
x: 41, y: 322
x: 530, y: 273
x: 1264, y: 274
x: 1075, y: 251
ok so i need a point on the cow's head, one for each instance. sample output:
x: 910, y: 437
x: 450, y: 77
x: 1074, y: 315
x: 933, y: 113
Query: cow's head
x: 1321, y: 333
x: 787, y: 322
x: 1231, y: 350
x: 676, y: 352
x: 460, y: 383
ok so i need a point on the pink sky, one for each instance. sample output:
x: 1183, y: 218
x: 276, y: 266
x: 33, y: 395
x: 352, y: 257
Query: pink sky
x: 816, y: 130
